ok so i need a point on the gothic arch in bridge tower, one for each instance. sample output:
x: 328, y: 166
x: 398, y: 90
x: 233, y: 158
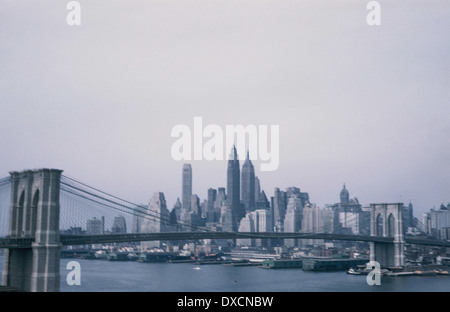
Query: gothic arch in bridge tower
x: 34, y: 213
x: 391, y: 226
x: 18, y: 215
x: 386, y: 221
x: 379, y: 225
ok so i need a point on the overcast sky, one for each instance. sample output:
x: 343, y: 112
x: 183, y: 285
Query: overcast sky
x: 357, y: 104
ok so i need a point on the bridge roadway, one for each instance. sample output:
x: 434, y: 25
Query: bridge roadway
x: 22, y: 242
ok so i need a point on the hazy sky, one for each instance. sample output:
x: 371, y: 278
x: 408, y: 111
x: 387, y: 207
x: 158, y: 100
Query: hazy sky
x: 357, y: 104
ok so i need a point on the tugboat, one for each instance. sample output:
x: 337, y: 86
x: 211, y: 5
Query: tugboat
x: 100, y: 254
x: 442, y: 272
x: 359, y: 270
x: 352, y: 271
x: 362, y: 270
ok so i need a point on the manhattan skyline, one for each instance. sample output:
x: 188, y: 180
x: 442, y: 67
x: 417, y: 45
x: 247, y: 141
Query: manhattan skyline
x: 356, y: 104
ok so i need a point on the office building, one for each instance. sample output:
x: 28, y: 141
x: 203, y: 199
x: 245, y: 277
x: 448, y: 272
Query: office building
x: 234, y: 189
x: 248, y: 185
x: 293, y: 219
x: 119, y: 225
x: 186, y: 186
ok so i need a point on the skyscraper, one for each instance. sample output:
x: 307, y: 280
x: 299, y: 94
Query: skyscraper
x: 257, y: 189
x: 293, y: 218
x: 95, y: 226
x: 158, y: 219
x: 219, y: 202
x: 258, y: 220
x: 311, y: 223
x: 139, y: 214
x: 345, y: 197
x: 348, y: 214
x: 186, y: 187
x: 295, y: 191
x: 210, y: 216
x: 248, y: 185
x: 262, y: 202
x: 233, y: 189
x: 279, y: 205
x: 195, y: 205
x: 158, y: 214
x: 175, y: 212
x: 247, y: 224
x: 119, y: 225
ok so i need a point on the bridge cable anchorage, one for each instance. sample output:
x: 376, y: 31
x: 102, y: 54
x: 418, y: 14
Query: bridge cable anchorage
x: 77, y: 188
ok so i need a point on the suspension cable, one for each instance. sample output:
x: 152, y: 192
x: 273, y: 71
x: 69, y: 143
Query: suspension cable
x: 129, y: 210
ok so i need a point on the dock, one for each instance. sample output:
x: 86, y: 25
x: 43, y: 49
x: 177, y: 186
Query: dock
x: 331, y: 264
x: 281, y: 264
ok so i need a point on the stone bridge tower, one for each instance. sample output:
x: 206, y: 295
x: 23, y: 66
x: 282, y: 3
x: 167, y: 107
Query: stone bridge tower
x: 386, y: 221
x: 34, y: 213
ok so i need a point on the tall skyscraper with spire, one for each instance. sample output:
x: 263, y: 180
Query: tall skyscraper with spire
x: 233, y: 189
x: 186, y: 187
x: 248, y: 185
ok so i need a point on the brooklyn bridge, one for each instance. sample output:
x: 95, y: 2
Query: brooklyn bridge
x: 35, y: 205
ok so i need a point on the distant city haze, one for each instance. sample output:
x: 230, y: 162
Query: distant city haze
x: 356, y: 104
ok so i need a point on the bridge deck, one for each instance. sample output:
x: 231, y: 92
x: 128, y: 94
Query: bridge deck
x: 93, y: 239
x: 20, y: 242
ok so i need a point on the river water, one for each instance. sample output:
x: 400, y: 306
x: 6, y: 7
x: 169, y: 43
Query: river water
x: 100, y: 275
x: 130, y: 276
